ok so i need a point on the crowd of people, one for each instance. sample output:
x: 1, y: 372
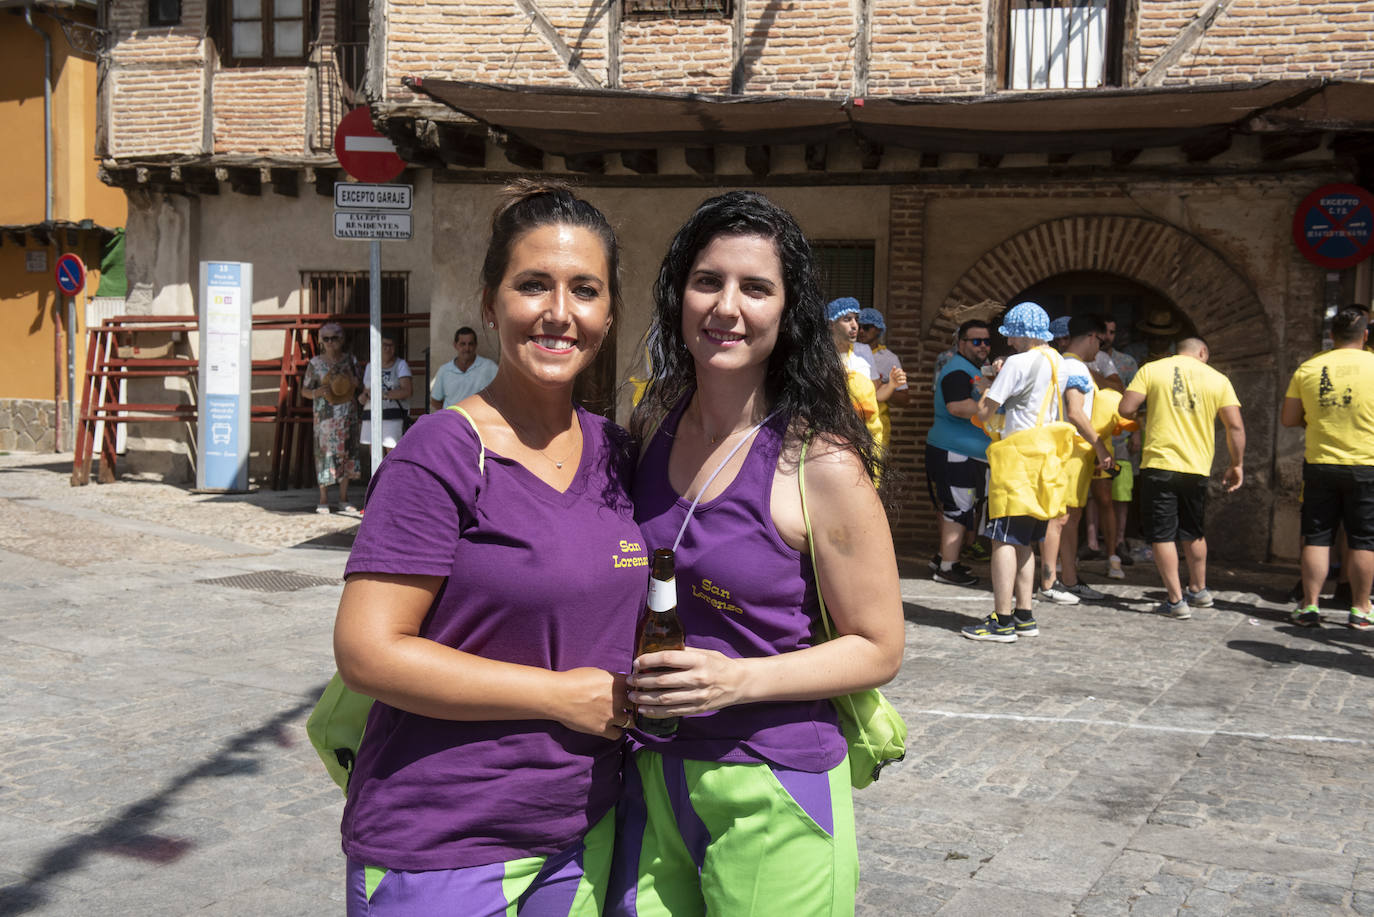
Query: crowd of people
x: 1068, y: 405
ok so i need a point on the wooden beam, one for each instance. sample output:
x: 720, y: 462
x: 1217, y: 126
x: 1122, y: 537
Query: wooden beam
x: 463, y: 147
x: 870, y: 154
x: 286, y: 182
x: 570, y: 58
x: 587, y: 163
x: 1207, y: 146
x: 324, y: 181
x: 701, y: 159
x: 989, y: 160
x: 759, y: 159
x: 1059, y: 159
x: 815, y: 156
x: 1274, y: 147
x: 246, y: 181
x: 645, y: 162
x: 930, y: 160
x: 1124, y: 157
x: 523, y: 155
x: 417, y: 141
x: 1188, y: 39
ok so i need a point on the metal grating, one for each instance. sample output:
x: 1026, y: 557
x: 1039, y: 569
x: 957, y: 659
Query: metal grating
x: 270, y: 581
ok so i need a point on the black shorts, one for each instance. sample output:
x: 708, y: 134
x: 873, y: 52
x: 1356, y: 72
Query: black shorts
x: 1335, y: 495
x: 958, y: 487
x: 1173, y: 505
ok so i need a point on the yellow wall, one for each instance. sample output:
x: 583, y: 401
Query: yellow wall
x: 28, y: 300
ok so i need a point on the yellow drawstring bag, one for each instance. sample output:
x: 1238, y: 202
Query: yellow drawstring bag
x: 1030, y: 471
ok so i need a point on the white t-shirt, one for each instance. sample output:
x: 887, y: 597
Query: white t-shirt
x: 862, y: 353
x: 390, y: 377
x: 1104, y: 364
x: 885, y: 361
x: 1023, y: 382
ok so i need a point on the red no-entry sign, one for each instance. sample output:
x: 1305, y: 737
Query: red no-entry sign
x: 70, y: 274
x: 364, y: 153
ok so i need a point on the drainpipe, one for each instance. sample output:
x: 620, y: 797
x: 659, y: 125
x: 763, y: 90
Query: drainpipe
x: 47, y: 218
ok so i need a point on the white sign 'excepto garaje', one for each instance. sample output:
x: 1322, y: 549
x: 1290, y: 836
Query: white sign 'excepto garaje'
x: 358, y: 196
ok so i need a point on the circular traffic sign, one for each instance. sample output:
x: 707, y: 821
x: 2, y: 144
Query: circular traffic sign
x: 1334, y: 226
x: 70, y: 274
x: 362, y: 151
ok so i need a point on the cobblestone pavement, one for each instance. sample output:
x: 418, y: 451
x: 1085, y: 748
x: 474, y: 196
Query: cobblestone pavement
x: 153, y: 758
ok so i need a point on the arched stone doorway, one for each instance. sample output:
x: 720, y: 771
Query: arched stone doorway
x: 1200, y: 284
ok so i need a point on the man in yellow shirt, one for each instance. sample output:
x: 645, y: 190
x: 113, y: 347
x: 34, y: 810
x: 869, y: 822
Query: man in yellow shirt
x: 1332, y: 395
x: 1183, y: 397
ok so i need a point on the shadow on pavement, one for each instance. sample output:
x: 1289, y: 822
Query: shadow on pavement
x: 1347, y: 651
x: 925, y: 616
x: 132, y: 832
x: 334, y: 541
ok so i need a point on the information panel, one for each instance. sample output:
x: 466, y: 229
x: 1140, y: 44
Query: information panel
x: 226, y: 307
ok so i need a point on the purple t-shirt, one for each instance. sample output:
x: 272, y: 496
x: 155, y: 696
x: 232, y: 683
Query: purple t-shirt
x: 743, y: 591
x: 534, y: 577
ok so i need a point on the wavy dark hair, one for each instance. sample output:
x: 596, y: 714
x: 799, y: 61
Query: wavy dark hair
x: 528, y: 204
x: 805, y: 379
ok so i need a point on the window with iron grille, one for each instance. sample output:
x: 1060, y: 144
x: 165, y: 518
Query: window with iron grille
x: 347, y: 293
x: 1063, y: 44
x: 846, y: 269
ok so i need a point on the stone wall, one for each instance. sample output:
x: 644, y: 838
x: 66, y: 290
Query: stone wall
x: 26, y: 425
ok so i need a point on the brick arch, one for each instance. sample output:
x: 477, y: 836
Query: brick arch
x: 1197, y: 280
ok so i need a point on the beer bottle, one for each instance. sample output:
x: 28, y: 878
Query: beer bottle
x: 660, y: 630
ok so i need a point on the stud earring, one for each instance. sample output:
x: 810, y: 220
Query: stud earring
x: 491, y: 324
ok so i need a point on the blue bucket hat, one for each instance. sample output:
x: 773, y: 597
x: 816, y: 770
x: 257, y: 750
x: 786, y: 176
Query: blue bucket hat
x: 1060, y: 327
x: 1026, y: 320
x: 842, y: 306
x: 872, y: 317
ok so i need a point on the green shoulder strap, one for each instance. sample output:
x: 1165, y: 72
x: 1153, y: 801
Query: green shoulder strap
x: 810, y: 540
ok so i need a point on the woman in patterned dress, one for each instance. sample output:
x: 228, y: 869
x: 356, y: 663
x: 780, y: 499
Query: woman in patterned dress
x: 331, y: 379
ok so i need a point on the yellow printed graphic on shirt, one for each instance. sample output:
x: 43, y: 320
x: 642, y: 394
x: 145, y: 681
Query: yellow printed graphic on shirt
x: 1182, y: 398
x: 629, y: 548
x: 1337, y: 393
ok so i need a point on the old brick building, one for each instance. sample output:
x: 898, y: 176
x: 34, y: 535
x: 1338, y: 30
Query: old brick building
x: 1109, y: 155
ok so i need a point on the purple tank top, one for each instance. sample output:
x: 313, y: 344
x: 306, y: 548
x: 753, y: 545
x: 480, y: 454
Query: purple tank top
x: 743, y: 591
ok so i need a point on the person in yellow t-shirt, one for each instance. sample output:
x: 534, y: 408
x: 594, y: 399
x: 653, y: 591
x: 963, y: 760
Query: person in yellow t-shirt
x: 1332, y: 395
x: 1183, y: 397
x: 865, y: 389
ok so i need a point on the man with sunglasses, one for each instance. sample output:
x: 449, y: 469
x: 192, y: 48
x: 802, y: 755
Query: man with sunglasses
x: 956, y: 452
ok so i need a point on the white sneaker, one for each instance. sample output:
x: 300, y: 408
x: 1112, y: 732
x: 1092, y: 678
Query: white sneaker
x: 322, y: 509
x: 1058, y: 594
x: 1114, y: 568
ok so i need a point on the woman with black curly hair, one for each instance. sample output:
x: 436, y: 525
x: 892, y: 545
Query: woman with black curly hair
x: 747, y: 808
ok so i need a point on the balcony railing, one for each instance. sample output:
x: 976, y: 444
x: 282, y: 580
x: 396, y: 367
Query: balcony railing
x: 340, y: 70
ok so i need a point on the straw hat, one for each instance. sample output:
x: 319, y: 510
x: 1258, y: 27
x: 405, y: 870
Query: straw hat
x: 339, y: 388
x: 1160, y: 323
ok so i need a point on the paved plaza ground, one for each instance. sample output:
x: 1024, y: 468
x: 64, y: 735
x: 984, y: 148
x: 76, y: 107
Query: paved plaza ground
x: 159, y: 652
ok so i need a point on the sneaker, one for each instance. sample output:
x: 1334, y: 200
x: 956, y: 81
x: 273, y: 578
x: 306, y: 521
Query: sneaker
x: 1306, y: 617
x: 957, y: 575
x: 991, y: 630
x: 1360, y: 620
x: 1059, y: 594
x: 1201, y: 598
x: 977, y: 551
x: 1114, y: 570
x: 1178, y: 610
x: 934, y: 563
x: 1125, y: 554
x: 1026, y: 627
x: 348, y: 509
x: 1085, y: 592
x: 322, y: 509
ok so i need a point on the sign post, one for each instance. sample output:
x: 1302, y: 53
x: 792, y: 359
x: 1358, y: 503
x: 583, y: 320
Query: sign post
x: 373, y: 211
x: 226, y: 361
x: 71, y: 279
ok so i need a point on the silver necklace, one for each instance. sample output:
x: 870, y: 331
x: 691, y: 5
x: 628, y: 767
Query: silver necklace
x: 520, y: 428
